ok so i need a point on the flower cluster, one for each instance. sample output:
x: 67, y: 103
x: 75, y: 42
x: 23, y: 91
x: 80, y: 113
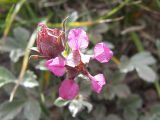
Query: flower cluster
x: 51, y: 44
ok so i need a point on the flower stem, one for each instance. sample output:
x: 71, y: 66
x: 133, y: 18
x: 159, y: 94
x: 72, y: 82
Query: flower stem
x: 137, y: 41
x: 157, y: 86
x: 115, y: 60
x: 24, y: 65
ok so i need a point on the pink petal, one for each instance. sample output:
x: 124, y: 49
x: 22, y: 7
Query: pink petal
x: 73, y: 58
x: 102, y: 53
x: 56, y: 66
x: 97, y: 82
x: 77, y: 38
x: 68, y: 90
x: 85, y: 58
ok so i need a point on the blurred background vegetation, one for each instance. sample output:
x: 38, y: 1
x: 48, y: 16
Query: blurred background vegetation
x: 130, y: 27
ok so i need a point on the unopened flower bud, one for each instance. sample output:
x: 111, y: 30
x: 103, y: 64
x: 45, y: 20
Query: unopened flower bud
x: 50, y: 41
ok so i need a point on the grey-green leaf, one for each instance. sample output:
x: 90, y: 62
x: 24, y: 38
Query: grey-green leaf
x: 6, y: 76
x: 125, y: 65
x: 73, y: 16
x: 130, y: 114
x: 88, y: 105
x: 113, y: 117
x: 143, y: 58
x: 32, y: 110
x: 9, y: 110
x: 74, y: 107
x: 146, y: 73
x: 16, y: 54
x: 122, y: 90
x: 21, y: 36
x: 30, y: 80
x: 60, y: 102
x: 131, y: 102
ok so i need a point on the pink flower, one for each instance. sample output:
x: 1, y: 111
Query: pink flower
x: 50, y: 41
x: 102, y: 53
x: 68, y: 90
x: 56, y: 66
x: 77, y: 39
x: 50, y: 44
x: 97, y: 82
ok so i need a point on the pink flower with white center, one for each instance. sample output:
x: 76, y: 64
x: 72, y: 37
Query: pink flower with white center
x: 78, y: 60
x: 76, y: 63
x: 56, y: 66
x: 68, y: 90
x: 102, y: 53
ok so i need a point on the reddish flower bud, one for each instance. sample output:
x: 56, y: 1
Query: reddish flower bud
x: 50, y: 41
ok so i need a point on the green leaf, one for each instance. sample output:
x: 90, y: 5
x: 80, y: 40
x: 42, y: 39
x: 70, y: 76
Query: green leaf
x: 74, y: 107
x: 6, y: 77
x: 140, y: 62
x: 34, y: 49
x: 130, y: 114
x: 146, y: 73
x: 84, y: 85
x: 21, y: 36
x: 143, y: 58
x: 88, y: 105
x: 32, y: 110
x: 117, y: 77
x: 131, y: 102
x: 16, y: 45
x: 125, y: 65
x: 158, y: 44
x: 108, y: 92
x: 101, y: 28
x: 10, y: 110
x: 73, y: 17
x: 9, y: 45
x: 60, y: 102
x: 150, y: 116
x: 99, y: 112
x: 113, y: 117
x: 30, y: 80
x: 122, y: 90
x: 77, y: 105
x: 153, y: 113
x: 41, y: 65
x: 16, y: 54
x: 155, y: 108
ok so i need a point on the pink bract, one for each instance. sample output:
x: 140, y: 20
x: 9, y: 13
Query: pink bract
x: 102, y: 53
x: 68, y: 90
x: 77, y: 39
x: 56, y: 66
x: 97, y: 82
